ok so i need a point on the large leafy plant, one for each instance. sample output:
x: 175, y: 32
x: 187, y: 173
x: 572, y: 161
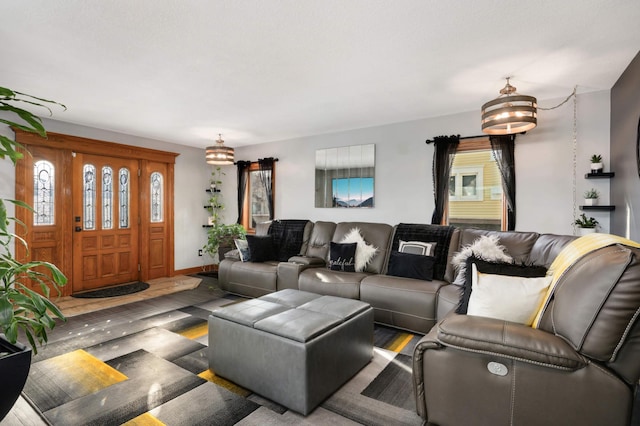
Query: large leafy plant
x: 21, y: 308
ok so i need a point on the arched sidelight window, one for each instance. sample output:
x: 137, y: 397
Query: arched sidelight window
x: 43, y: 193
x: 157, y: 197
x: 89, y: 196
x: 123, y: 197
x: 107, y: 197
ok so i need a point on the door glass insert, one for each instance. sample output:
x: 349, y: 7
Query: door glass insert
x: 107, y: 197
x: 123, y: 197
x: 157, y: 188
x: 43, y: 193
x: 89, y: 196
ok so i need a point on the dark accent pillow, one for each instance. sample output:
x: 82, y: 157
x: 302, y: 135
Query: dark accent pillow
x: 261, y: 248
x: 411, y: 265
x: 342, y: 257
x: 496, y: 268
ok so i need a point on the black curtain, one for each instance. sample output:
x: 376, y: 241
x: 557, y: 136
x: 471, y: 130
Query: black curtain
x: 443, y: 154
x: 503, y: 147
x: 243, y: 167
x: 266, y: 173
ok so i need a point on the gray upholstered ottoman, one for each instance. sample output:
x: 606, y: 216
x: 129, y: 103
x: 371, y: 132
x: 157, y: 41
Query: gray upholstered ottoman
x: 293, y: 347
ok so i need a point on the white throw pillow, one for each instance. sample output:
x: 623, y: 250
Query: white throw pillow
x: 364, y: 251
x: 417, y: 247
x: 514, y: 299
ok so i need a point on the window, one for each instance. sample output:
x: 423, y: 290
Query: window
x: 89, y: 196
x: 257, y: 195
x: 123, y: 197
x: 157, y: 195
x: 107, y: 197
x: 43, y: 193
x: 466, y: 183
x: 475, y: 188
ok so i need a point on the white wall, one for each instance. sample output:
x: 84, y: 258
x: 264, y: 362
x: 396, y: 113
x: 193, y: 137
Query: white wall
x: 404, y: 186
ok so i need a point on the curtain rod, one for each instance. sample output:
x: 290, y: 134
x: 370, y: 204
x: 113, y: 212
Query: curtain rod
x: 259, y: 159
x: 428, y: 141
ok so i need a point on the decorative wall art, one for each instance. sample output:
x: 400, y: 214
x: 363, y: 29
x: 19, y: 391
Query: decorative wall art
x: 345, y: 176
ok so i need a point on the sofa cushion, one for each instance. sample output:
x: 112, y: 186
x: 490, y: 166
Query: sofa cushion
x: 243, y: 250
x: 342, y: 257
x: 411, y: 266
x: 497, y: 268
x: 331, y: 283
x: 486, y: 247
x: 364, y: 251
x: 321, y: 236
x: 261, y: 248
x: 290, y: 237
x: 417, y: 247
x: 439, y: 234
x: 596, y: 301
x: 505, y: 297
x: 376, y: 234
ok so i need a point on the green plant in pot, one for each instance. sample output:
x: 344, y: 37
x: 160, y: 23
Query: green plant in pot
x: 591, y: 197
x: 585, y: 225
x: 596, y: 163
x: 220, y: 236
x: 23, y: 312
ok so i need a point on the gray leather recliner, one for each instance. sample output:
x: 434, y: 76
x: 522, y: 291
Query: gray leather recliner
x: 579, y: 368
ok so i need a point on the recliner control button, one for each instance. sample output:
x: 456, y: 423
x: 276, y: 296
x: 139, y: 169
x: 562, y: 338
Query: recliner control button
x: 497, y: 369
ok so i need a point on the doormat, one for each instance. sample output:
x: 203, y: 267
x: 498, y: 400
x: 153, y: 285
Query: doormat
x: 119, y: 290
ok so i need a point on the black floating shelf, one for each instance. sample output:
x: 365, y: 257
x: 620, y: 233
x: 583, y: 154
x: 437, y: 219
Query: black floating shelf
x: 207, y: 226
x: 212, y: 190
x: 601, y: 175
x: 598, y: 208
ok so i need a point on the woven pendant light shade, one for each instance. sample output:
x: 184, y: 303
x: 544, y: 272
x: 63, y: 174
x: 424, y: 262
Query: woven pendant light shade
x: 510, y: 113
x: 219, y: 154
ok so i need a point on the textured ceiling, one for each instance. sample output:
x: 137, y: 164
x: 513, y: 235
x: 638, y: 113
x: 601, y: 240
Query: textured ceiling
x: 265, y: 70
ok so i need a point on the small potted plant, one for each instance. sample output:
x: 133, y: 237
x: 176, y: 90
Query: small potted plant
x: 586, y: 225
x: 591, y: 197
x: 596, y: 163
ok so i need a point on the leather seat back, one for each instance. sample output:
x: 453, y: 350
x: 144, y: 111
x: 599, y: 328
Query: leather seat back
x: 376, y: 234
x: 321, y: 235
x: 596, y: 308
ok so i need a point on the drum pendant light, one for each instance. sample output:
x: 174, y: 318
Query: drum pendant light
x: 509, y: 113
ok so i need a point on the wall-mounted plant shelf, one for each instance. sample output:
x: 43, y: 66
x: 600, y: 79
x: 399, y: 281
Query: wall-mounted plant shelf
x: 212, y: 190
x: 207, y: 226
x: 607, y: 175
x: 598, y: 208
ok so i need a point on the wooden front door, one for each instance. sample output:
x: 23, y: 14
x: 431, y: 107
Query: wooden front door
x: 104, y: 211
x: 105, y: 221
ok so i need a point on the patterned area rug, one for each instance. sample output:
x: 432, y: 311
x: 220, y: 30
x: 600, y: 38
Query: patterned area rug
x: 146, y: 363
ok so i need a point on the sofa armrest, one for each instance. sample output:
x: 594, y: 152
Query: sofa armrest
x: 507, y: 339
x: 308, y: 261
x: 289, y: 272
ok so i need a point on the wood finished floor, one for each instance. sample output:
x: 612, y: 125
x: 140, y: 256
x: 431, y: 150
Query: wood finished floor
x: 108, y: 308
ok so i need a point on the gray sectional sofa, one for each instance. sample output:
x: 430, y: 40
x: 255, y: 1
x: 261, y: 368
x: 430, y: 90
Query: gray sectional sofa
x: 406, y: 303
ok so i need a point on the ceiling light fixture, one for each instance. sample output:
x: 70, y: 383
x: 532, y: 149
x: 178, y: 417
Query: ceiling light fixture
x: 219, y: 154
x: 509, y: 113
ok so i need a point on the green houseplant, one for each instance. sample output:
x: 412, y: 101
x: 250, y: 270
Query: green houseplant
x: 596, y: 163
x: 22, y: 310
x: 219, y: 235
x: 585, y: 225
x: 591, y: 197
